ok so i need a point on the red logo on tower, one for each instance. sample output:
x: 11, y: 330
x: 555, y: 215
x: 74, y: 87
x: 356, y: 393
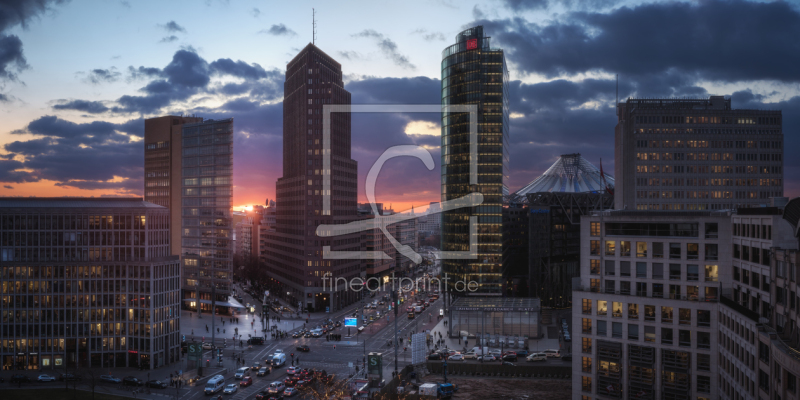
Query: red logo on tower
x: 472, y: 44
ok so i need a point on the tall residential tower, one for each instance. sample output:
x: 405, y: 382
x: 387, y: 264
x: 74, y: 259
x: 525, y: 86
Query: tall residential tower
x: 475, y: 73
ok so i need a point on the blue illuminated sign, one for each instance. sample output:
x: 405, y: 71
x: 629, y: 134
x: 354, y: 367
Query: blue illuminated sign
x: 351, y: 322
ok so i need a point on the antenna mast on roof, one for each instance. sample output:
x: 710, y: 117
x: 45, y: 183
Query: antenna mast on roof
x: 313, y: 26
x: 616, y: 104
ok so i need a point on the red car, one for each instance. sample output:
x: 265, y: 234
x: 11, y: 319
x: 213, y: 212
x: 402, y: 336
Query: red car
x: 300, y: 384
x: 246, y: 381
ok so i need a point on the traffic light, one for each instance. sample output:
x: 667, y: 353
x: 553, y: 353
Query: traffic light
x: 184, y: 338
x: 292, y: 355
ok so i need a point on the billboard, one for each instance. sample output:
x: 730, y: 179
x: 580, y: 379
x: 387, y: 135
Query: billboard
x: 419, y: 348
x: 351, y: 322
x: 375, y: 365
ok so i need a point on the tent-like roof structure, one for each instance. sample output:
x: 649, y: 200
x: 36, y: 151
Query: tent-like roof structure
x: 571, y: 173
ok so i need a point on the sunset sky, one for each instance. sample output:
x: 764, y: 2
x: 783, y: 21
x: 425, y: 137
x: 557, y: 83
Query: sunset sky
x: 77, y: 78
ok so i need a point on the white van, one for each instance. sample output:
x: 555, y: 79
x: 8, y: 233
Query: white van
x: 552, y: 353
x: 418, y: 309
x: 215, y: 384
x: 278, y: 359
x: 316, y: 332
x: 480, y: 351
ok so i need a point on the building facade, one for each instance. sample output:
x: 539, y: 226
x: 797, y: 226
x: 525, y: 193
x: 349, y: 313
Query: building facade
x: 87, y: 282
x: 645, y: 315
x: 405, y: 232
x: 696, y: 154
x: 293, y: 253
x: 375, y: 240
x: 162, y: 168
x: 244, y: 237
x: 475, y: 73
x: 207, y: 215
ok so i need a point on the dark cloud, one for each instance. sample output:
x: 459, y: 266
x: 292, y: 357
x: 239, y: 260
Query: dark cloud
x: 9, y: 172
x: 255, y: 12
x: 279, y: 30
x: 12, y: 13
x: 125, y: 4
x: 387, y: 46
x: 133, y: 186
x: 417, y: 90
x: 536, y: 5
x: 99, y: 75
x: 8, y: 186
x: 241, y: 69
x: 75, y: 154
x: 143, y: 73
x: 704, y: 39
x: 4, y: 98
x: 168, y: 39
x: 92, y: 107
x: 172, y: 26
x: 12, y: 61
x: 187, y: 69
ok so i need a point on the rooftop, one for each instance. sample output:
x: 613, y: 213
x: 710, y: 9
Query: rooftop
x: 76, y: 202
x: 570, y: 173
x: 492, y: 303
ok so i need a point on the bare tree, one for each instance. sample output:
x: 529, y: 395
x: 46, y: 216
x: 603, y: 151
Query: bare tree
x: 92, y: 379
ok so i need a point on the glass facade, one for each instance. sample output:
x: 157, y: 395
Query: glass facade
x: 207, y: 185
x: 87, y: 283
x: 496, y: 320
x: 475, y: 73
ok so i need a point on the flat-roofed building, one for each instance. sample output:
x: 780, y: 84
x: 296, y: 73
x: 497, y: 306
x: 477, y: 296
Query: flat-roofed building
x: 101, y: 286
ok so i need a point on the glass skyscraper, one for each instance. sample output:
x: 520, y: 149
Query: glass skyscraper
x: 475, y: 73
x: 206, y: 236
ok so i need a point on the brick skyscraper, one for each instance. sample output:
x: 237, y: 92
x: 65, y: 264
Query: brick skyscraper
x: 293, y: 252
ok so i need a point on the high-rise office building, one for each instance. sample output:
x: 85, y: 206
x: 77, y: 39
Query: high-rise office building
x: 101, y: 285
x: 162, y: 168
x: 375, y: 240
x: 696, y: 154
x: 473, y: 72
x: 206, y: 214
x: 645, y: 314
x: 293, y: 252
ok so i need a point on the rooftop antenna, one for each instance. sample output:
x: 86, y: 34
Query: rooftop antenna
x: 313, y: 26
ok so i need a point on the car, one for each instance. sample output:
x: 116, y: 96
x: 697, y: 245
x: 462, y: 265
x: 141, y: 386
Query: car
x: 290, y: 392
x: 255, y: 340
x: 276, y: 387
x: 487, y: 357
x: 246, y: 381
x: 510, y: 356
x: 381, y: 302
x: 132, y: 381
x: 301, y: 383
x: 262, y: 395
x: 230, y: 388
x: 537, y: 357
x: 338, y: 324
x: 297, y: 335
x: 456, y: 357
x: 552, y: 353
x: 20, y: 379
x: 207, y: 346
x: 567, y: 357
x: 434, y: 356
x: 522, y: 353
x: 263, y: 371
x: 45, y: 378
x: 156, y: 384
x: 256, y: 366
x: 471, y: 355
x: 289, y: 382
x: 293, y: 370
x: 303, y: 348
x: 241, y: 373
x: 110, y: 379
x: 69, y: 377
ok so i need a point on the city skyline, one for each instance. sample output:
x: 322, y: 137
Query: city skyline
x: 93, y: 106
